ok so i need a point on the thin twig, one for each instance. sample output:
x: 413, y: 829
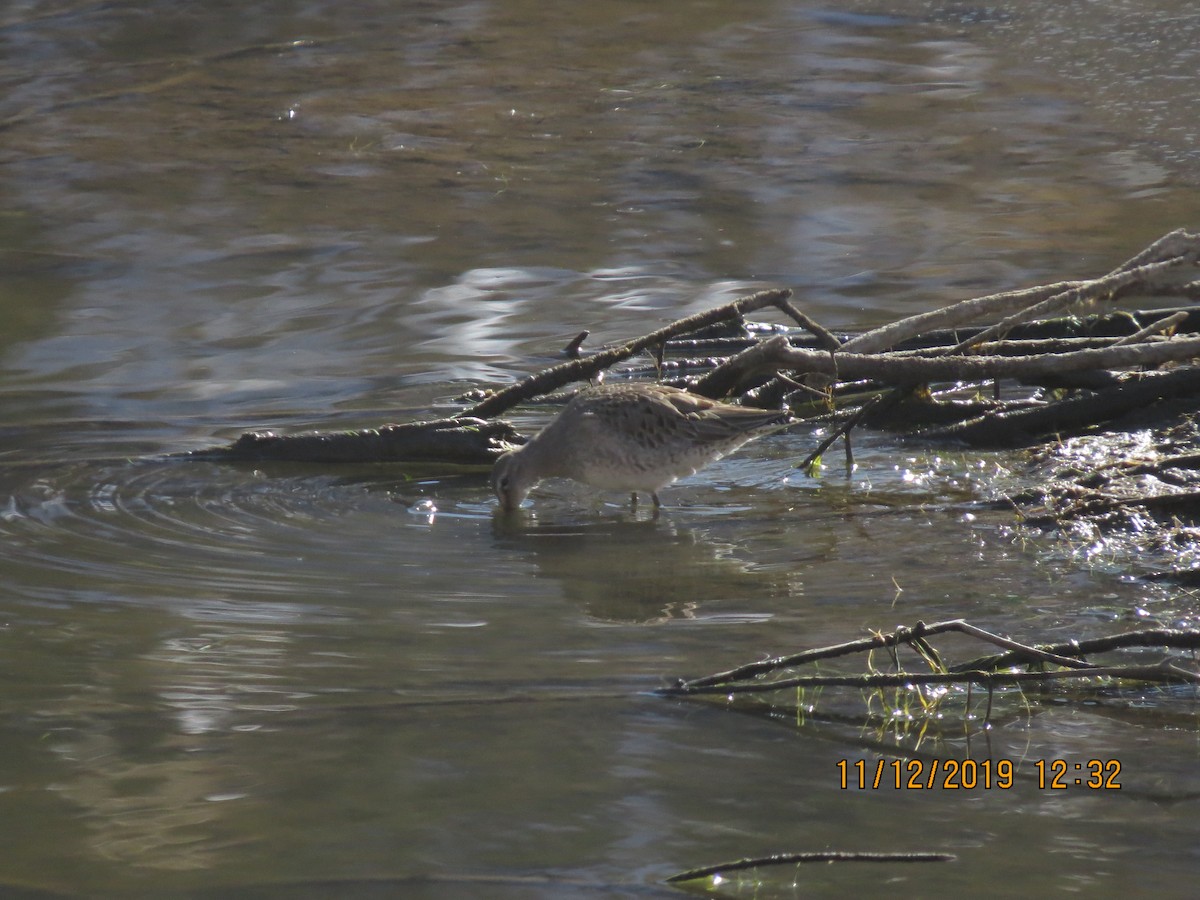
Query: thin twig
x: 879, y: 403
x: 825, y: 856
x: 1163, y: 672
x: 876, y: 641
x: 1172, y: 638
x: 1162, y: 325
x: 827, y: 338
x: 1066, y: 655
x: 571, y: 351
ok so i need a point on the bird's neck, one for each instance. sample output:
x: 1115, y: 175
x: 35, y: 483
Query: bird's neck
x: 541, y: 456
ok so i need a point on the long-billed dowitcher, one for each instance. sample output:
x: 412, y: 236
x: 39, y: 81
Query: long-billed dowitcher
x: 629, y: 437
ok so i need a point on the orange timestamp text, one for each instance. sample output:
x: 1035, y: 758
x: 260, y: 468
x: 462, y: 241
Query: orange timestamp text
x: 973, y: 774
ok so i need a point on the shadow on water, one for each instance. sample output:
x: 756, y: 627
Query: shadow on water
x: 633, y: 569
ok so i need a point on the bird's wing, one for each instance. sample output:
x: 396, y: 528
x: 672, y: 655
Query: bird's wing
x: 710, y: 420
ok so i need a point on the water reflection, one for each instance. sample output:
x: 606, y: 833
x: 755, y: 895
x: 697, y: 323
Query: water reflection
x: 142, y: 798
x: 646, y: 571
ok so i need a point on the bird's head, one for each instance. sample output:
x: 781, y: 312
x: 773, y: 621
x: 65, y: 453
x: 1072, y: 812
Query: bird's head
x: 510, y: 481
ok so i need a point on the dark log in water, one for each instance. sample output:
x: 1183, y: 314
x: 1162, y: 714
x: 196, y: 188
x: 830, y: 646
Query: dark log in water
x: 473, y: 442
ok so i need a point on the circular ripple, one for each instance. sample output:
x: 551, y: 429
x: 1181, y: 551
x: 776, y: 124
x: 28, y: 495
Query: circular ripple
x: 161, y: 529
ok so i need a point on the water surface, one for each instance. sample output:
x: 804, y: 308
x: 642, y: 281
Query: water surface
x: 258, y: 681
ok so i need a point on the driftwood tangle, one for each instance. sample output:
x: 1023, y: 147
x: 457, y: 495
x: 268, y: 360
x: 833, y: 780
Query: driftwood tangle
x: 1090, y: 370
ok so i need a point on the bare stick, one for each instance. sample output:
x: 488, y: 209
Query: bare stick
x: 1177, y: 639
x: 755, y: 360
x: 826, y: 856
x: 1163, y: 672
x: 1178, y: 245
x: 919, y: 370
x: 875, y: 404
x: 1162, y: 325
x: 571, y: 351
x: 826, y: 338
x: 582, y: 369
x: 920, y: 631
x: 951, y: 316
x: 1110, y: 287
x: 1174, y: 243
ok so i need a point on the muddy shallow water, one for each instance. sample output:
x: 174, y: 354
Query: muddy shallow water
x: 258, y: 681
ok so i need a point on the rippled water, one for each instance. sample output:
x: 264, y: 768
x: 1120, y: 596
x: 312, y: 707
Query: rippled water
x: 253, y: 681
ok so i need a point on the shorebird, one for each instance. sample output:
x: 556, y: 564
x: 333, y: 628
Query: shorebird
x: 629, y: 437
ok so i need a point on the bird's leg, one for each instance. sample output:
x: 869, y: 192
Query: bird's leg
x: 657, y: 502
x: 633, y: 500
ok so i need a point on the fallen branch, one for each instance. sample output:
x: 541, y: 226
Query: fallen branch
x: 1174, y: 248
x: 583, y: 369
x: 899, y: 637
x: 991, y: 672
x: 1161, y: 673
x: 906, y: 370
x: 1110, y: 287
x: 1158, y: 327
